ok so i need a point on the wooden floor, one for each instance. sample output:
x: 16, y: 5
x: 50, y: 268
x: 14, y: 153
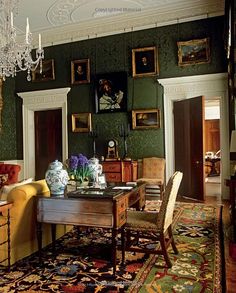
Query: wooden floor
x: 230, y: 264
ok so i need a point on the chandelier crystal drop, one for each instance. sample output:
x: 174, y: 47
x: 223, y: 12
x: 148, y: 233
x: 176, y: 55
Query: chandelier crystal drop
x: 15, y: 57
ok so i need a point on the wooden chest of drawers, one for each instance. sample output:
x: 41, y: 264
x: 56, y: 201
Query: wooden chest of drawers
x: 120, y: 171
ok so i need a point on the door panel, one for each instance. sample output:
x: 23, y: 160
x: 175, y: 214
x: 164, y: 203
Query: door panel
x: 189, y: 146
x: 48, y: 140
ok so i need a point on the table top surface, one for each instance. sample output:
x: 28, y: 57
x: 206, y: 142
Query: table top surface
x: 112, y: 192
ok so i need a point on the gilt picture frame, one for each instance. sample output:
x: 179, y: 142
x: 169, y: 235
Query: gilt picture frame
x: 111, y: 92
x: 81, y: 122
x: 194, y: 52
x: 144, y: 61
x: 80, y: 71
x: 48, y: 71
x: 146, y: 119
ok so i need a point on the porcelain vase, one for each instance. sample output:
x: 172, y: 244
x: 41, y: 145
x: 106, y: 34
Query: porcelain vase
x: 57, y: 178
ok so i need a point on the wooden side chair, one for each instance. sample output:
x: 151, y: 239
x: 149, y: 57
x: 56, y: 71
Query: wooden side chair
x: 153, y: 225
x: 153, y: 174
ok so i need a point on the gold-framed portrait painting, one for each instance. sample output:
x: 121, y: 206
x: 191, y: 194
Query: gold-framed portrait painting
x: 194, y: 52
x: 144, y: 62
x: 80, y: 71
x: 81, y: 122
x: 48, y: 71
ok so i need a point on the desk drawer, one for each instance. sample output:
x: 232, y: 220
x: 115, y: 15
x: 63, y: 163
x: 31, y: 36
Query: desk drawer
x: 111, y: 167
x: 121, y: 207
x: 113, y: 177
x: 121, y: 219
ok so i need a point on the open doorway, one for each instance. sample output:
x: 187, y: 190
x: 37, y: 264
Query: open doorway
x: 212, y: 85
x: 212, y: 147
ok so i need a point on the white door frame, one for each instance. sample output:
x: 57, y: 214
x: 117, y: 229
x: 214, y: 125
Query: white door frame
x: 41, y: 101
x: 212, y: 86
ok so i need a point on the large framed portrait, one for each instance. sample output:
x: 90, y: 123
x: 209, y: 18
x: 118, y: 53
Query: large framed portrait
x: 81, y: 122
x: 146, y: 119
x: 193, y: 52
x: 111, y: 92
x: 48, y: 71
x: 80, y: 71
x: 144, y: 62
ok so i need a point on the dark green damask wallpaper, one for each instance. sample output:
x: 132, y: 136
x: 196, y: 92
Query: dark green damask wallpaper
x: 113, y: 54
x: 8, y: 141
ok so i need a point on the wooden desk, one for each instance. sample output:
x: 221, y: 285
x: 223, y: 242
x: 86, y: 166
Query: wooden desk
x: 3, y: 207
x: 91, y: 210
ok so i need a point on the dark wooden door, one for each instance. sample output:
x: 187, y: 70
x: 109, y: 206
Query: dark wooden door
x: 48, y: 140
x: 189, y: 146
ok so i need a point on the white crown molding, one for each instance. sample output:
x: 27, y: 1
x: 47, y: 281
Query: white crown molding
x: 166, y: 14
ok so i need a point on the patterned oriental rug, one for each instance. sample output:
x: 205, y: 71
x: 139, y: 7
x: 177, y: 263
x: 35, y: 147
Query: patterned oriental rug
x: 83, y: 262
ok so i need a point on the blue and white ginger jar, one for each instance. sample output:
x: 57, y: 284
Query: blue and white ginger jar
x: 57, y: 178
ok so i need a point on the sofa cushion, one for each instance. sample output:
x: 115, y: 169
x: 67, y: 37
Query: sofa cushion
x: 7, y: 188
x: 12, y: 170
x: 3, y: 179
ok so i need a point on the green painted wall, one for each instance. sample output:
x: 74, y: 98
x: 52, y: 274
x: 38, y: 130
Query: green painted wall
x: 112, y: 54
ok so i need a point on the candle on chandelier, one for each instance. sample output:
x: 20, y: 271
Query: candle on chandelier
x: 11, y: 20
x: 27, y: 30
x: 40, y: 46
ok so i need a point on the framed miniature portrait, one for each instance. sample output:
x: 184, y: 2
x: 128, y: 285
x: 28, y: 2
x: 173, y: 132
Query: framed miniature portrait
x: 111, y: 92
x: 80, y: 71
x: 144, y: 62
x: 48, y: 71
x: 193, y: 52
x: 81, y: 122
x: 145, y: 119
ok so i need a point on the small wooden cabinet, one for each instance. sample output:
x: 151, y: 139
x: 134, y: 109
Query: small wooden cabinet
x: 120, y: 171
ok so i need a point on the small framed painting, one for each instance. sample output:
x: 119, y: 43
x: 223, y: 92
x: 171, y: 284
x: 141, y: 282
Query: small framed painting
x: 81, y: 122
x: 145, y: 119
x: 193, y: 52
x: 80, y: 71
x: 48, y: 71
x: 111, y: 92
x: 144, y: 62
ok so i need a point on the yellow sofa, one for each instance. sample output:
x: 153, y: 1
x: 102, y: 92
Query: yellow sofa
x: 23, y: 217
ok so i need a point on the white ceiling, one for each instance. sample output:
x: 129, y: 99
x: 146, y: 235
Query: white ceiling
x: 61, y: 21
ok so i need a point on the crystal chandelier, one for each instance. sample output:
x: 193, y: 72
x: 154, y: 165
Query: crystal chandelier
x: 15, y: 57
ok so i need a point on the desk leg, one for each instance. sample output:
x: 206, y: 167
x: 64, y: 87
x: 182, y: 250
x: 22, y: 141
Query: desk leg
x: 39, y: 238
x: 53, y: 233
x: 8, y: 240
x: 114, y: 249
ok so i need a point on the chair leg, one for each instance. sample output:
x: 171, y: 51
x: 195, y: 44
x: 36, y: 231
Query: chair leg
x: 123, y: 245
x: 172, y: 240
x: 164, y: 250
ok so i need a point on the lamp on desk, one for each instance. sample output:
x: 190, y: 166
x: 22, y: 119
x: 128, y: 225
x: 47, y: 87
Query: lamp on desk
x: 233, y: 152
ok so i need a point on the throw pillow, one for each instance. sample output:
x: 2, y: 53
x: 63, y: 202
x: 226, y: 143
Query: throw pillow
x: 7, y: 188
x: 3, y: 179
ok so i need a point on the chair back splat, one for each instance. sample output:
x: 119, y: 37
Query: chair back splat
x: 165, y: 215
